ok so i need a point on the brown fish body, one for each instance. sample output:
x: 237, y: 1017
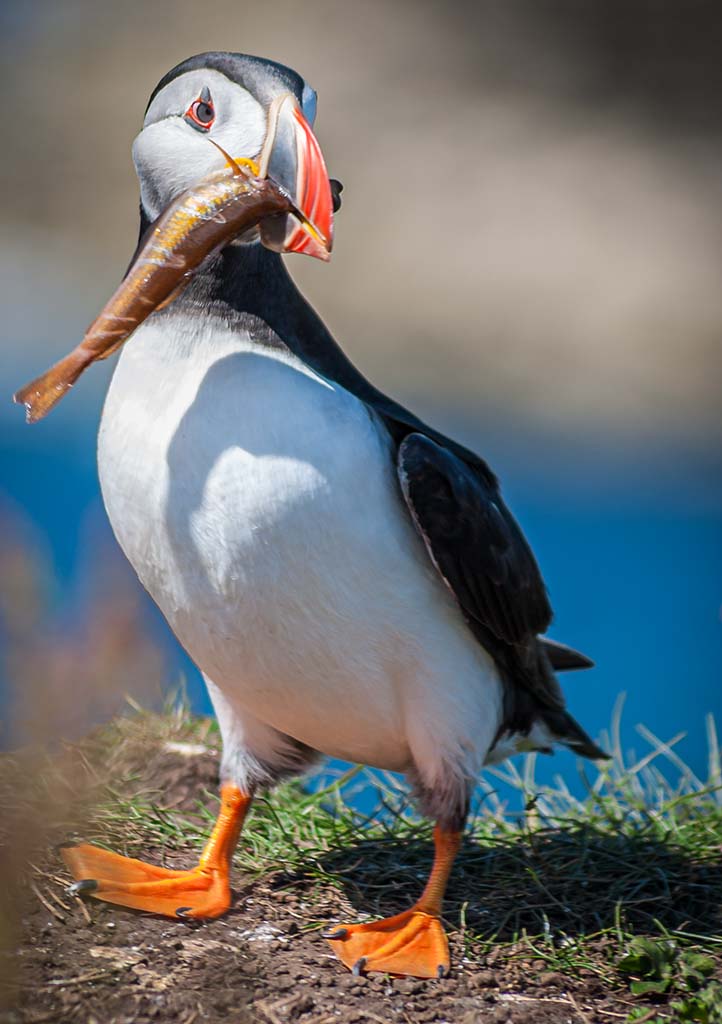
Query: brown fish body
x: 193, y: 226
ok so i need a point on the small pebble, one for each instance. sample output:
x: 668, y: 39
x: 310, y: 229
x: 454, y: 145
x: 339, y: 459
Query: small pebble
x: 551, y: 978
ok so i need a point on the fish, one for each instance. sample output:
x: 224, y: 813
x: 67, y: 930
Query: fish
x: 197, y: 223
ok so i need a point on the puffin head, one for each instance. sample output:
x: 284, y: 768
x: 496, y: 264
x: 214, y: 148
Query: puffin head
x: 258, y: 112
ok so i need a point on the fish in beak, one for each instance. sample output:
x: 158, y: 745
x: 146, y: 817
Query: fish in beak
x: 198, y: 222
x: 287, y: 194
x: 291, y: 156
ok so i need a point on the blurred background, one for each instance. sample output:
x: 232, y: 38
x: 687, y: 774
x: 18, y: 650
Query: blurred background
x: 528, y: 254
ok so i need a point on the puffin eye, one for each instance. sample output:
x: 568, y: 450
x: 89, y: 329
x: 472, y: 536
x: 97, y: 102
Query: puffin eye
x: 201, y: 113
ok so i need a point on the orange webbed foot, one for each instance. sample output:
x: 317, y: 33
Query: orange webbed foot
x: 201, y: 892
x: 412, y: 943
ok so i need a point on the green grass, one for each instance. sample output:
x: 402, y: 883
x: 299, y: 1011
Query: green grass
x: 568, y: 884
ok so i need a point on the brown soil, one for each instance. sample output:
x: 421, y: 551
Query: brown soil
x: 93, y: 963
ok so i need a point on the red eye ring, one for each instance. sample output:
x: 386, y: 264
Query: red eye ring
x: 201, y: 114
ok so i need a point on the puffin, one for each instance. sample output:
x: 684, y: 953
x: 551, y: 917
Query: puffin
x: 348, y: 580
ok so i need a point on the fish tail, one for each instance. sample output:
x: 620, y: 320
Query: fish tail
x: 41, y: 394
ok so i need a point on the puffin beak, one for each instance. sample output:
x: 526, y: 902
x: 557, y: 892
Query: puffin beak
x: 292, y: 158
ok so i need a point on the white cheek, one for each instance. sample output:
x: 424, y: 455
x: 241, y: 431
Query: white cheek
x: 170, y: 156
x: 169, y: 159
x: 241, y: 124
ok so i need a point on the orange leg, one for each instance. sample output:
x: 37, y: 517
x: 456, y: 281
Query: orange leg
x: 203, y: 891
x: 413, y: 942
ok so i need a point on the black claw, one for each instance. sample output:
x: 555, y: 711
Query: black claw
x: 334, y: 933
x: 84, y: 885
x: 440, y: 971
x: 358, y: 967
x: 182, y: 912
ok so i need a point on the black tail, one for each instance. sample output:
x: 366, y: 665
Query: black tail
x: 567, y: 731
x: 564, y: 729
x: 562, y: 657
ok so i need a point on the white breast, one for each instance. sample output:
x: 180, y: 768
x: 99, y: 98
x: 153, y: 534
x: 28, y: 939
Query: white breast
x: 259, y: 506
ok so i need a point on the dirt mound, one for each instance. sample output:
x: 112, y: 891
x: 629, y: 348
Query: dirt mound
x: 265, y: 961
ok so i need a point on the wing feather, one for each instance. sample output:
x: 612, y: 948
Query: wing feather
x: 473, y: 540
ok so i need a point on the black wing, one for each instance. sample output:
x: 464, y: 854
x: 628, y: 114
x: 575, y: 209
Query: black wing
x: 474, y: 541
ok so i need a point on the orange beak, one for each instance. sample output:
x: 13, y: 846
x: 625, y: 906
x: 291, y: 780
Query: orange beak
x: 292, y: 158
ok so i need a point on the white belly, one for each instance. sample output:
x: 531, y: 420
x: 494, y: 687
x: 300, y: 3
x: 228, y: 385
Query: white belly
x: 259, y: 507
